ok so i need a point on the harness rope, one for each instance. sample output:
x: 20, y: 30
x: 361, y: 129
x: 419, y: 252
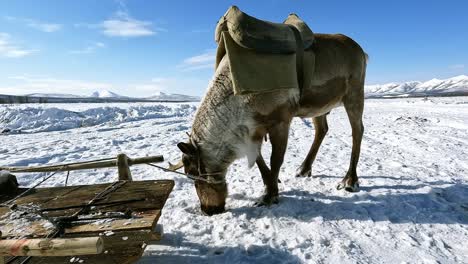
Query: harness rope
x: 209, y: 176
x: 195, y: 177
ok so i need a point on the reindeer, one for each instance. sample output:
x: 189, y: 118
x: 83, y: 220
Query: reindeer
x: 227, y: 127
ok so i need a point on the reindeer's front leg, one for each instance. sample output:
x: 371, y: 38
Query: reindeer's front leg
x: 264, y: 170
x: 279, y: 142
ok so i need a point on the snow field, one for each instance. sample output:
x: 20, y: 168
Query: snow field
x: 412, y: 207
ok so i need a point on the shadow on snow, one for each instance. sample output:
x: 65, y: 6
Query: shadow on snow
x: 174, y: 249
x: 429, y: 203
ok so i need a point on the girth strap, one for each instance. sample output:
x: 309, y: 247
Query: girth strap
x: 299, y: 58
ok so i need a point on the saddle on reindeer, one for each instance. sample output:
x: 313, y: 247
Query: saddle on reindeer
x: 265, y: 56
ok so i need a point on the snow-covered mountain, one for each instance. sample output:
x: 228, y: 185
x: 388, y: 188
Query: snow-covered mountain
x: 453, y: 86
x: 106, y: 94
x: 161, y: 96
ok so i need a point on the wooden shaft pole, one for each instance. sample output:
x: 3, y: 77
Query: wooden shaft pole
x: 52, y: 247
x: 149, y: 159
x: 124, y: 169
x: 84, y: 165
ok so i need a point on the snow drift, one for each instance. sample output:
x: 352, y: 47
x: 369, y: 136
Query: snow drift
x: 34, y: 119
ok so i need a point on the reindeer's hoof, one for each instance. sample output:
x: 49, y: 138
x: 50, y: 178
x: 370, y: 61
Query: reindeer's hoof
x: 304, y: 174
x: 348, y: 187
x: 267, y: 200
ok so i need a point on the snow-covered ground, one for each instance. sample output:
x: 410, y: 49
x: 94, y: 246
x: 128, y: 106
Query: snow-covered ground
x: 412, y: 206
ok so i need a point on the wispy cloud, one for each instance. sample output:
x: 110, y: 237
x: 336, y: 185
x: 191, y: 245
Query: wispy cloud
x: 90, y: 48
x: 169, y: 85
x: 199, y: 62
x: 457, y: 66
x: 45, y: 27
x: 123, y: 25
x: 10, y: 50
x: 36, y: 24
x: 25, y: 84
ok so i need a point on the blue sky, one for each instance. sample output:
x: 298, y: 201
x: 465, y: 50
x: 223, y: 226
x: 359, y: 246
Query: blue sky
x: 138, y: 47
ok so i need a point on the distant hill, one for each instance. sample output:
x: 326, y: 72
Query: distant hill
x: 456, y: 86
x: 449, y: 87
x: 96, y: 97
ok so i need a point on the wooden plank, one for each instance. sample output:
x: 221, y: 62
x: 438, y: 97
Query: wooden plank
x: 146, y: 221
x: 156, y: 192
x: 52, y: 247
x: 42, y: 196
x: 39, y: 228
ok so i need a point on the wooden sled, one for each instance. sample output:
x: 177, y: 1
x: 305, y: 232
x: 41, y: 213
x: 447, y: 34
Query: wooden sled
x: 101, y: 223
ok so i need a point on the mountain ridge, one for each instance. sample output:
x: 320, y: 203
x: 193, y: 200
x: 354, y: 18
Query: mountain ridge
x: 457, y: 85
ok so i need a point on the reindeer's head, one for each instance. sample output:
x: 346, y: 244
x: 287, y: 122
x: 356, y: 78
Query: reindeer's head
x: 209, y: 179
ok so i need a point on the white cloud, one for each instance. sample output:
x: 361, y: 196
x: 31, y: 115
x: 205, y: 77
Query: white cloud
x: 10, y: 50
x: 457, y: 66
x: 90, y: 48
x: 198, y: 62
x: 122, y: 25
x: 39, y: 25
x: 45, y: 27
x: 25, y: 84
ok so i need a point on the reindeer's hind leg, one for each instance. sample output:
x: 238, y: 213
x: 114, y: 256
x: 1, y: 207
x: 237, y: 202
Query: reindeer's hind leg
x: 321, y: 128
x: 354, y: 105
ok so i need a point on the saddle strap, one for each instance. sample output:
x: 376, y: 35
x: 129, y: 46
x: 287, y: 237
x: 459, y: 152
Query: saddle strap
x: 299, y: 58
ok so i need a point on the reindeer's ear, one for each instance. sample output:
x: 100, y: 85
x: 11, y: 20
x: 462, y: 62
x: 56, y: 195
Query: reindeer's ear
x: 187, y: 149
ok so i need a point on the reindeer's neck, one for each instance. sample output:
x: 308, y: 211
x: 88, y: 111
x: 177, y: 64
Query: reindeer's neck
x: 220, y: 126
